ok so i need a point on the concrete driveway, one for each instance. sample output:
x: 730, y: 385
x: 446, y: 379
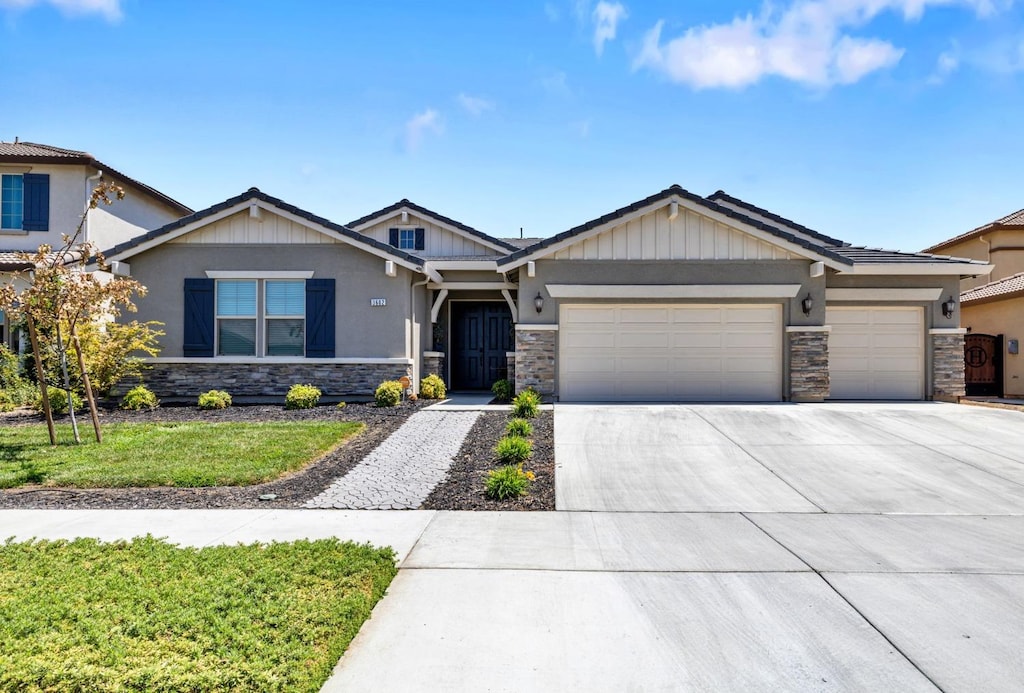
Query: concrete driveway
x: 728, y: 548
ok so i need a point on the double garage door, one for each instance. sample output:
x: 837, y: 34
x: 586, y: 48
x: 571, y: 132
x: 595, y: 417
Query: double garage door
x: 729, y: 353
x: 678, y: 353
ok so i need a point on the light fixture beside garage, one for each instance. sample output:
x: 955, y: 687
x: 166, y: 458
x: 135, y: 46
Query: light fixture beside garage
x: 807, y: 304
x: 948, y: 306
x: 538, y: 302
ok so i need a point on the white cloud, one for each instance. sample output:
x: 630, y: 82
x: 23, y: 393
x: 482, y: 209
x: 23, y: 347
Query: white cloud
x: 556, y: 83
x: 110, y: 9
x: 947, y: 63
x: 806, y: 42
x: 606, y: 18
x: 421, y: 124
x: 474, y: 105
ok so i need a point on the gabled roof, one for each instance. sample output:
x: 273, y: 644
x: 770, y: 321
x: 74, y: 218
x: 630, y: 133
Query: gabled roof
x: 1008, y: 287
x: 33, y: 153
x: 663, y: 196
x: 1014, y: 220
x: 166, y: 232
x: 390, y: 210
x: 722, y: 196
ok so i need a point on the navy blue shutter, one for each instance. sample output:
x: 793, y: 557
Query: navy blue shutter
x: 199, y: 317
x: 393, y: 237
x: 37, y: 202
x: 420, y: 239
x: 320, y: 318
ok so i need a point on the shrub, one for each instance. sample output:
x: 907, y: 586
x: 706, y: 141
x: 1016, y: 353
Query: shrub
x: 302, y: 397
x: 10, y: 371
x: 509, y: 481
x: 502, y: 390
x: 519, y: 427
x: 513, y: 450
x: 432, y: 387
x: 388, y: 394
x: 214, y: 399
x: 342, y: 405
x: 526, y: 404
x: 58, y: 400
x: 139, y: 397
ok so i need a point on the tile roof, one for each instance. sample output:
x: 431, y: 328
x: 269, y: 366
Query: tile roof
x: 403, y: 203
x: 521, y: 242
x: 1001, y: 288
x: 880, y: 255
x: 256, y: 194
x: 11, y: 260
x: 722, y: 196
x: 1010, y: 221
x: 34, y: 153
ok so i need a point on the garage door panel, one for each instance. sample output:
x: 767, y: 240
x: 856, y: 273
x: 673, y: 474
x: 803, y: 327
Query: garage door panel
x: 695, y: 353
x: 876, y: 352
x: 576, y: 315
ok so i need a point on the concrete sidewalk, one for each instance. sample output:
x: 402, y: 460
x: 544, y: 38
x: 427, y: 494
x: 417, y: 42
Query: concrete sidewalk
x: 651, y: 601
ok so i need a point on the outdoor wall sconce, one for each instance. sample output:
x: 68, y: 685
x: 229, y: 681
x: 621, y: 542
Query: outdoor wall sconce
x: 538, y: 302
x: 807, y: 304
x: 948, y: 306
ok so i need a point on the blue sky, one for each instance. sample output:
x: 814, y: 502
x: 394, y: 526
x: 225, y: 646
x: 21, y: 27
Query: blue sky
x: 894, y: 123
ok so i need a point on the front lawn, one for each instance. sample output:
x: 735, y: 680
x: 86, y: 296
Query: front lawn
x: 148, y: 616
x: 166, y: 454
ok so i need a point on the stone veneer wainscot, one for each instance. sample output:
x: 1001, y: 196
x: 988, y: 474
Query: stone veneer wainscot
x: 267, y: 379
x: 535, y: 358
x: 808, y: 364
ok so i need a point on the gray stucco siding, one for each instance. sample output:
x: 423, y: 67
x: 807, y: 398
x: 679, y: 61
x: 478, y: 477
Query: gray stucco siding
x: 361, y: 330
x: 950, y: 285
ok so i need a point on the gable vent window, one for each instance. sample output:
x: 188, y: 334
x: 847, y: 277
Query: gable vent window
x: 407, y: 239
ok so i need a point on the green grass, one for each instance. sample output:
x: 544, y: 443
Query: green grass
x: 166, y: 454
x: 148, y: 616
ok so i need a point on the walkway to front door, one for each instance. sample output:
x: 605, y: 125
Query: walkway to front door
x: 481, y: 336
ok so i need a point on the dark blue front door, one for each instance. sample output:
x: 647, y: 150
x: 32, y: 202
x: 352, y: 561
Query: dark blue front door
x: 481, y: 336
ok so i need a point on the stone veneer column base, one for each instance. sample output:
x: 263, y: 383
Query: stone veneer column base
x: 948, y: 365
x: 535, y: 359
x: 510, y: 363
x: 808, y: 364
x: 433, y: 362
x: 265, y: 380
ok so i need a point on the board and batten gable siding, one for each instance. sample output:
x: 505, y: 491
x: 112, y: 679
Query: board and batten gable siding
x: 361, y: 331
x: 242, y: 228
x: 690, y: 236
x: 438, y: 241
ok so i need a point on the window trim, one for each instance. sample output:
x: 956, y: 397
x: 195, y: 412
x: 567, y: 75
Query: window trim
x: 21, y: 225
x: 402, y: 236
x: 261, y: 344
x: 267, y: 318
x: 217, y: 317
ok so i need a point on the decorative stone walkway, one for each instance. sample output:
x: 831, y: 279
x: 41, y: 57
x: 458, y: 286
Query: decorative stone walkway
x: 400, y: 472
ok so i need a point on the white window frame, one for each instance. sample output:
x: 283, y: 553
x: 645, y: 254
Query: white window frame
x: 21, y: 225
x: 407, y: 238
x: 217, y: 318
x: 266, y: 318
x: 261, y: 278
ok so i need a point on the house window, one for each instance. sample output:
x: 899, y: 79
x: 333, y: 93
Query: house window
x: 285, y: 308
x: 407, y: 239
x: 282, y: 315
x: 236, y: 317
x: 12, y: 202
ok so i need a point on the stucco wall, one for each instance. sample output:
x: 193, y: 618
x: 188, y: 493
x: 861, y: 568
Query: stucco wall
x: 135, y: 214
x: 1006, y: 256
x: 1005, y: 318
x: 362, y: 331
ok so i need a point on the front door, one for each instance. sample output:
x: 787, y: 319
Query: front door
x: 983, y: 365
x: 481, y: 336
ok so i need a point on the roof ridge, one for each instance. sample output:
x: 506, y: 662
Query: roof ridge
x: 405, y: 202
x: 1008, y: 220
x: 721, y: 194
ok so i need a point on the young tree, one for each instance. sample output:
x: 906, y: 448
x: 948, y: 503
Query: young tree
x: 61, y: 297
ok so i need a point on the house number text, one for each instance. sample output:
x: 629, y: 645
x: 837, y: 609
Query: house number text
x: 378, y: 301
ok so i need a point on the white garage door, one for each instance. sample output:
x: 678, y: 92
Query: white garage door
x: 670, y: 353
x: 876, y: 353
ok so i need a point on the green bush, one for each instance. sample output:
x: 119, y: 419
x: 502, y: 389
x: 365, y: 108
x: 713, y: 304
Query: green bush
x: 432, y: 387
x: 214, y: 399
x: 302, y: 397
x: 388, y: 394
x: 513, y: 450
x: 519, y: 427
x: 58, y: 400
x: 509, y: 481
x: 342, y: 405
x: 526, y: 404
x: 10, y: 371
x: 139, y: 397
x: 502, y: 390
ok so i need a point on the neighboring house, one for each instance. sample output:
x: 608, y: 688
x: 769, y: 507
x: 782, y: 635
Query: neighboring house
x: 992, y: 308
x: 43, y: 192
x: 676, y: 297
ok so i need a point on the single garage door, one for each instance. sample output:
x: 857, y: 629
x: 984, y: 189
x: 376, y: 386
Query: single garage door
x: 670, y: 353
x: 876, y: 353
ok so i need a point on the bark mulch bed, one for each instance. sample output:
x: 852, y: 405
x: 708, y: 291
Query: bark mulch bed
x: 292, y: 490
x: 463, y: 488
